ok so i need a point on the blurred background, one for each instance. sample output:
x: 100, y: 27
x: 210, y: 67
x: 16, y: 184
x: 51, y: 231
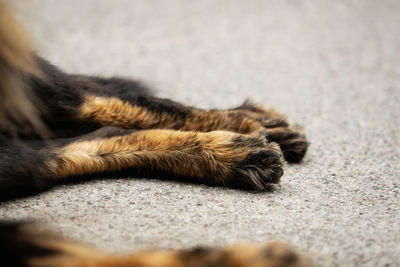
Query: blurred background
x: 332, y: 66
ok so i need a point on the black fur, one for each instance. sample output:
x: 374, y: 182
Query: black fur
x: 20, y: 169
x: 17, y: 246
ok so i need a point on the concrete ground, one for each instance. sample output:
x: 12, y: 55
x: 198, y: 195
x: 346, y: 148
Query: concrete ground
x: 332, y: 66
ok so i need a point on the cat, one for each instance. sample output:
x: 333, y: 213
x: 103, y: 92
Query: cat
x: 56, y: 127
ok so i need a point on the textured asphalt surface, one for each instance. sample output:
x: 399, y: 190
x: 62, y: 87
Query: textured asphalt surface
x: 331, y: 66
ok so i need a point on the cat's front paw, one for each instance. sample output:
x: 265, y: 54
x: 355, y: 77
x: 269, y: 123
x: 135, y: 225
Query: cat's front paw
x: 292, y: 142
x: 246, y: 161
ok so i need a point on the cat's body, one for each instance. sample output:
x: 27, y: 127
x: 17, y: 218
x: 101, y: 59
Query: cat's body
x: 57, y: 126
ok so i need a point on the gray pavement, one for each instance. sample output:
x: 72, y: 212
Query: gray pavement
x: 332, y: 66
